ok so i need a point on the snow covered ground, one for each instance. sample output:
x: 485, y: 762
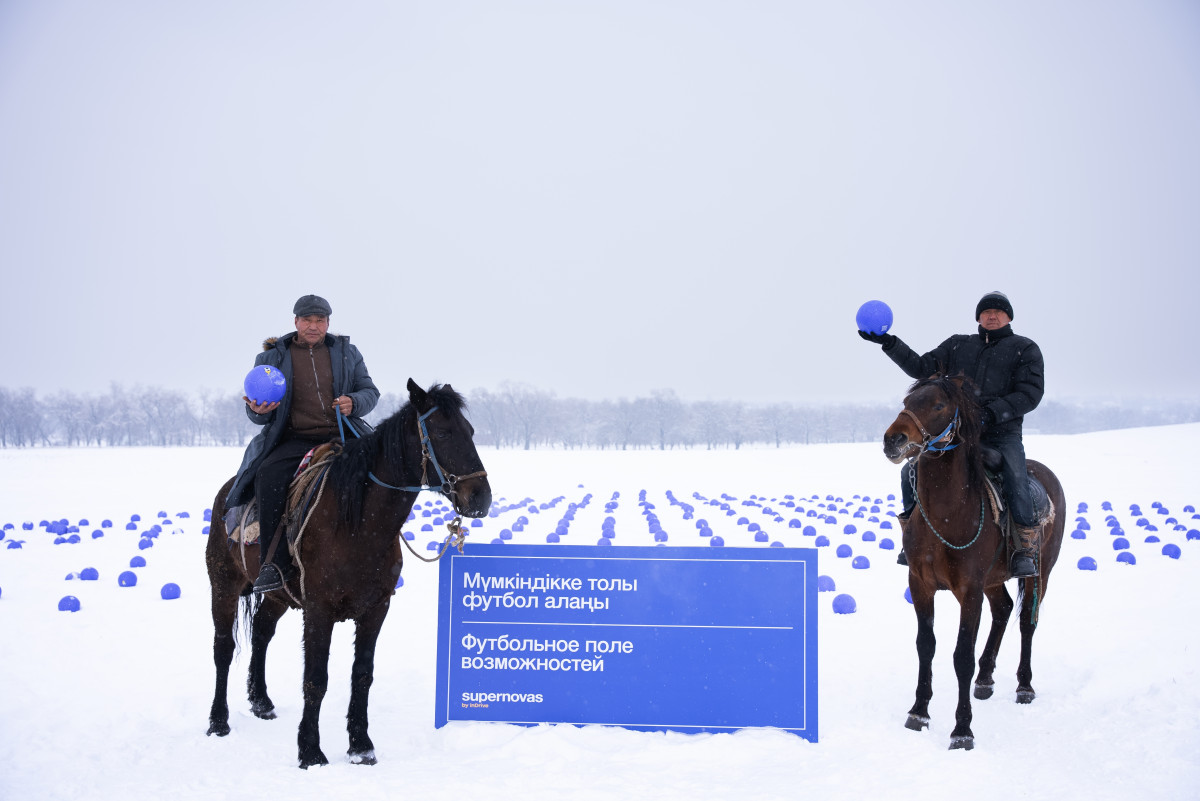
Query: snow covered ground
x: 112, y: 701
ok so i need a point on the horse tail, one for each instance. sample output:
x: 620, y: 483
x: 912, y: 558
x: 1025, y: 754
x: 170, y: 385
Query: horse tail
x: 243, y: 621
x: 1032, y: 583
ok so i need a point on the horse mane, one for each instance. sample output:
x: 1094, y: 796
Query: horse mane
x: 348, y: 474
x: 962, y: 392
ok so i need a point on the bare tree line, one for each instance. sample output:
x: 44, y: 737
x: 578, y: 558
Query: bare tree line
x: 517, y: 416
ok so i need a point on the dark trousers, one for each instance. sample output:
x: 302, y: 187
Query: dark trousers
x: 1016, y: 479
x: 1012, y: 470
x: 271, y: 488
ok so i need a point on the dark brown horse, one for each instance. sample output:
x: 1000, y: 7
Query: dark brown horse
x: 350, y: 557
x: 953, y: 542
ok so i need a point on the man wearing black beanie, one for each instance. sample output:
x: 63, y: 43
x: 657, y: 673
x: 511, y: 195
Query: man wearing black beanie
x: 1007, y: 371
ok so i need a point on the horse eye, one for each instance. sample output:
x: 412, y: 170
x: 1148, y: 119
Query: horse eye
x: 443, y: 434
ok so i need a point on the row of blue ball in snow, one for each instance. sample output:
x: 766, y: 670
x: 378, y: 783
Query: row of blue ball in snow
x: 63, y: 525
x: 169, y: 592
x: 1170, y: 550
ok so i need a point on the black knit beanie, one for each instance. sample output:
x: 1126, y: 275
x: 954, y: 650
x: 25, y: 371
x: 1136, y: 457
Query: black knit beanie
x: 993, y: 300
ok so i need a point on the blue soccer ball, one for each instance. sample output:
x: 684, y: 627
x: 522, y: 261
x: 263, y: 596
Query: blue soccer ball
x: 265, y: 384
x: 874, y: 317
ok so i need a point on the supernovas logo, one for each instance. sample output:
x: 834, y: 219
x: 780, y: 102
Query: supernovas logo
x: 510, y: 698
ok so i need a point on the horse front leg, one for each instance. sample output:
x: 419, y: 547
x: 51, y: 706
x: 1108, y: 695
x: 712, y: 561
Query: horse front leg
x: 318, y: 631
x: 262, y: 630
x: 970, y: 610
x: 1001, y: 605
x: 918, y: 716
x: 362, y: 675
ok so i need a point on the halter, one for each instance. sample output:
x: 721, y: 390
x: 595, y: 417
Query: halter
x: 446, y: 481
x: 930, y: 442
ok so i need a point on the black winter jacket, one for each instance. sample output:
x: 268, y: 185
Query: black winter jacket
x: 1007, y: 370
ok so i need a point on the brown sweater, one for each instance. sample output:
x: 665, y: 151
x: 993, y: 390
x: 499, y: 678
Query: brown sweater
x: 312, y: 415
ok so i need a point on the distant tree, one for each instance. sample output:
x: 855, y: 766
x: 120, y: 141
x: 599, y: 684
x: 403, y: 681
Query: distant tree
x: 529, y: 409
x: 666, y: 415
x: 709, y: 423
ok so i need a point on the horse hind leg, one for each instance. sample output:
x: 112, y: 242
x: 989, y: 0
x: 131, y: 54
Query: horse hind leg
x: 1001, y: 605
x: 224, y: 612
x: 225, y: 583
x: 264, y: 617
x: 1029, y: 600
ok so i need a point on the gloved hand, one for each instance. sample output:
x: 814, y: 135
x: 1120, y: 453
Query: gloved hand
x: 987, y: 418
x: 887, y: 340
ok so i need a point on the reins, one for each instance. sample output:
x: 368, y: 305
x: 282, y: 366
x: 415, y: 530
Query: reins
x: 446, y: 481
x: 447, y: 484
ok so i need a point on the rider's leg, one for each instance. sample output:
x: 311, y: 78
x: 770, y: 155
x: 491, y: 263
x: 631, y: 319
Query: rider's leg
x: 1023, y: 562
x: 907, y: 500
x: 271, y: 483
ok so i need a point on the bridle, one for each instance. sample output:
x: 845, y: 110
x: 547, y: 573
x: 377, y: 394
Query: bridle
x: 930, y: 442
x: 447, y: 482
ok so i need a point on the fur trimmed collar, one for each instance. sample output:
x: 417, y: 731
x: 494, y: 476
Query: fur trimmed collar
x: 286, y: 340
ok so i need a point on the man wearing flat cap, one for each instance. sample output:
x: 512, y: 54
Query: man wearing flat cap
x: 325, y: 374
x: 1007, y: 370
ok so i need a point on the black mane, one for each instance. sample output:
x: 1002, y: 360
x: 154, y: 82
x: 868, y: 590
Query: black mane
x: 390, y: 442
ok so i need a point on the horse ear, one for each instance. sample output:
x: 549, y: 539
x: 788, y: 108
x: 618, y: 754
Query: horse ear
x: 416, y: 394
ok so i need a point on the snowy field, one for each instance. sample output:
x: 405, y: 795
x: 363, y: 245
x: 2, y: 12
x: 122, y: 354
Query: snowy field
x: 112, y: 701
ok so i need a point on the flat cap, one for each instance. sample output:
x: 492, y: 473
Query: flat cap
x: 311, y: 304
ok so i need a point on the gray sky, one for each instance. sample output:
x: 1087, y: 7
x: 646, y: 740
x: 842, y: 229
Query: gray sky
x: 599, y: 198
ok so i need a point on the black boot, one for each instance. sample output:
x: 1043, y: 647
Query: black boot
x: 271, y: 577
x: 903, y: 519
x: 1021, y: 564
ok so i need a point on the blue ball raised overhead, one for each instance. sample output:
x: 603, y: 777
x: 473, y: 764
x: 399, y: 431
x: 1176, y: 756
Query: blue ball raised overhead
x: 265, y: 384
x: 874, y: 317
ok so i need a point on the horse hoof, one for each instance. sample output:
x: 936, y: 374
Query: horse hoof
x: 916, y: 722
x: 1025, y: 696
x: 964, y: 743
x: 984, y: 691
x: 364, y: 758
x: 264, y: 710
x: 218, y: 728
x: 317, y: 759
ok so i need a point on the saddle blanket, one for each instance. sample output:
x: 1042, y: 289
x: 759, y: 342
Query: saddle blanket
x: 1042, y: 508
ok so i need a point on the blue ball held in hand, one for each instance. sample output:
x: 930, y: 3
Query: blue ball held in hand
x: 874, y: 317
x: 265, y: 384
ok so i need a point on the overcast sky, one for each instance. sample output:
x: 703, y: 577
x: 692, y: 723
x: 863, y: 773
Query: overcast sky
x: 599, y: 198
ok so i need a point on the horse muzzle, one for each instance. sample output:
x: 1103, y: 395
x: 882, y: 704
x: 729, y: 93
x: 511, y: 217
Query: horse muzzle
x: 473, y: 496
x: 897, y: 446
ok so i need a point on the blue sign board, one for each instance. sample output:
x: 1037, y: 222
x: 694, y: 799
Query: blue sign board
x: 657, y: 638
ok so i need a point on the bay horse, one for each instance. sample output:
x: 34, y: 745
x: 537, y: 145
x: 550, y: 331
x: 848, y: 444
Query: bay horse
x: 350, y: 558
x: 953, y: 542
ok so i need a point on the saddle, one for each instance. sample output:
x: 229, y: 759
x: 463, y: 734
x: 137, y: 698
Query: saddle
x: 1043, y: 508
x: 301, y: 492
